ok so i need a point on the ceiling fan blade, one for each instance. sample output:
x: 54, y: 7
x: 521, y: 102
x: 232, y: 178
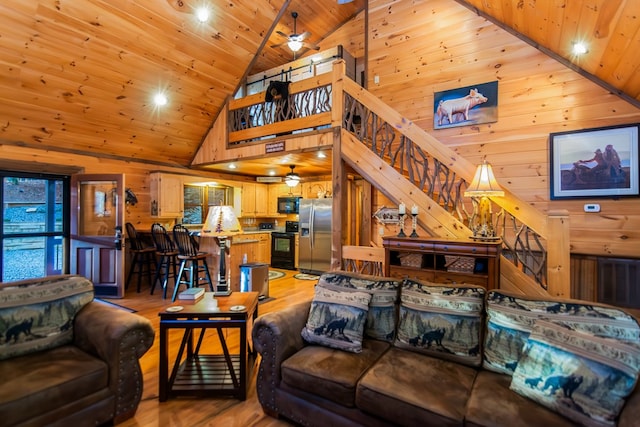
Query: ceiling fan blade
x: 304, y: 35
x: 280, y: 33
x: 278, y: 45
x: 310, y: 46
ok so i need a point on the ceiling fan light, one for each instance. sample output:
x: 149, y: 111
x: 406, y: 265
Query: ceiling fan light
x: 292, y: 179
x: 294, y: 45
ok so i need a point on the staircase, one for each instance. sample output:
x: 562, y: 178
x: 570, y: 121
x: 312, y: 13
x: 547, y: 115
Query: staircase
x: 406, y: 164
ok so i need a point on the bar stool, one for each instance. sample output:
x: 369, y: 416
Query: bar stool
x: 167, y: 255
x: 190, y: 259
x: 143, y: 256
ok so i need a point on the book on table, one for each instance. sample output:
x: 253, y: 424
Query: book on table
x: 191, y: 293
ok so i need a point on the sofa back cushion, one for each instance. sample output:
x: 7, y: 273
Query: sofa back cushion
x: 442, y: 320
x: 382, y: 314
x: 510, y: 318
x: 38, y: 314
x: 337, y: 317
x: 582, y: 376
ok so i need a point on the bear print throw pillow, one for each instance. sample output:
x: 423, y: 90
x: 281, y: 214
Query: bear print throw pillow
x: 579, y: 375
x: 337, y: 318
x: 511, y: 316
x: 441, y: 320
x: 381, y: 317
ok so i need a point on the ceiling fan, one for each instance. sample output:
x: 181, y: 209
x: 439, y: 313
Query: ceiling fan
x: 296, y: 41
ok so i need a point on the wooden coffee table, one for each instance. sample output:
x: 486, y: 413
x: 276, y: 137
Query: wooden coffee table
x: 196, y: 374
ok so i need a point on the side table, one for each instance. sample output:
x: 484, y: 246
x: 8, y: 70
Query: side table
x: 196, y: 374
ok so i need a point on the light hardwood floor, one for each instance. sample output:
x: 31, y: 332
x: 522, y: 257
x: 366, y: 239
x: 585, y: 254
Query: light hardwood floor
x: 194, y: 412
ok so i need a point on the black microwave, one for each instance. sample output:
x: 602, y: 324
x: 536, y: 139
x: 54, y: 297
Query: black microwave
x: 288, y: 205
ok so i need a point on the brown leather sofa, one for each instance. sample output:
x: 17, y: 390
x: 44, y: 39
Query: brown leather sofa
x: 67, y: 360
x: 314, y: 385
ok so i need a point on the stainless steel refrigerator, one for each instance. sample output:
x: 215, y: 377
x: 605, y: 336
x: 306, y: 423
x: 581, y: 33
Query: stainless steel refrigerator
x: 314, y: 254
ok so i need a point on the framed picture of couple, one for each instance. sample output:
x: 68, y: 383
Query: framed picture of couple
x: 598, y: 162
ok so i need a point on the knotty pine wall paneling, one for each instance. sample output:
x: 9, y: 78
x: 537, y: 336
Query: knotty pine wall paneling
x: 418, y: 48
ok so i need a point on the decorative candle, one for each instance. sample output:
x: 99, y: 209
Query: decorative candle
x: 414, y: 210
x: 402, y: 209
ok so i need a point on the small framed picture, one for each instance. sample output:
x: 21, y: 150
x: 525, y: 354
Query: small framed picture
x: 598, y: 162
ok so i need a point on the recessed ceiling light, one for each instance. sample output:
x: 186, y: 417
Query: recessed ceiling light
x: 272, y: 173
x: 321, y: 155
x: 160, y: 99
x: 202, y: 13
x: 232, y: 166
x: 580, y: 48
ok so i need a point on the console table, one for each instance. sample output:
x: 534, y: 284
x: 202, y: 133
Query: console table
x: 197, y: 374
x: 443, y: 260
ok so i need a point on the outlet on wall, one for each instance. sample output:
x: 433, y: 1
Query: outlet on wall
x: 592, y: 207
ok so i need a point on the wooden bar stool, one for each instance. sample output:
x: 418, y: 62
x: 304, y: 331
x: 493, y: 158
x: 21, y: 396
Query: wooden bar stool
x: 192, y: 261
x: 167, y: 255
x: 143, y: 257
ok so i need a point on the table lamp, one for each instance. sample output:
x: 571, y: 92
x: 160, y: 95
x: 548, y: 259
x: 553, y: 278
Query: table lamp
x: 221, y: 223
x: 483, y: 186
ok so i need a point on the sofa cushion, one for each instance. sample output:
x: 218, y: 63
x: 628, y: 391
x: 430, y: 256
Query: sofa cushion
x: 581, y: 376
x: 38, y: 314
x: 48, y: 380
x: 493, y: 404
x: 330, y: 373
x: 510, y: 318
x: 381, y: 317
x: 408, y: 388
x: 337, y: 317
x: 441, y: 320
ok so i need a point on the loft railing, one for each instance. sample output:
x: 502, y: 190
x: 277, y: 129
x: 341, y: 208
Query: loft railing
x: 428, y: 164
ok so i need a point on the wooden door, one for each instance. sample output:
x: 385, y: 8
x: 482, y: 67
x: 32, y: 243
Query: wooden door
x: 97, y: 219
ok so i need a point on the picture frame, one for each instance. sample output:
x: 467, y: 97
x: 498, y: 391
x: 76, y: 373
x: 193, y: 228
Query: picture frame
x: 386, y: 215
x: 594, y: 163
x: 466, y: 106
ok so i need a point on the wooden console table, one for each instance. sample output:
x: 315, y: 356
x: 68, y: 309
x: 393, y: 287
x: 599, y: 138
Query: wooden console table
x: 443, y: 260
x: 197, y: 374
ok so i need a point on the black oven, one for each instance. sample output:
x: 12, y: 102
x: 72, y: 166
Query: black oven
x: 283, y: 247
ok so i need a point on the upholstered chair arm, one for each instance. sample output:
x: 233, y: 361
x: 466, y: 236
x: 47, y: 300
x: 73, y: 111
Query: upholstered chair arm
x: 631, y: 411
x: 277, y: 336
x: 119, y: 338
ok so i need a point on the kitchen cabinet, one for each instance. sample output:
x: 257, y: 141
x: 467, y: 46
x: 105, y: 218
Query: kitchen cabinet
x: 443, y: 260
x: 254, y: 199
x: 316, y: 189
x: 167, y: 195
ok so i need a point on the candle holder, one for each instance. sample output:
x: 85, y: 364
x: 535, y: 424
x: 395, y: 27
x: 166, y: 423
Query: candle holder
x: 414, y: 225
x: 401, y: 233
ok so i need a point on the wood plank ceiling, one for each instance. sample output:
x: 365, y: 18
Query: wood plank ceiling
x: 79, y: 75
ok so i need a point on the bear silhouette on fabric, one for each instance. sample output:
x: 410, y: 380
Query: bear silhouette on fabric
x: 21, y: 328
x: 336, y: 325
x: 431, y: 336
x: 568, y: 384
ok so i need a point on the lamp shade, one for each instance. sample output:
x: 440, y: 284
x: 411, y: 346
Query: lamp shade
x: 484, y: 183
x: 221, y: 221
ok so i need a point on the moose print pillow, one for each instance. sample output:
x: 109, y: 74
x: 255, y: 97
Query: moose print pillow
x: 337, y: 318
x: 579, y: 375
x: 441, y: 320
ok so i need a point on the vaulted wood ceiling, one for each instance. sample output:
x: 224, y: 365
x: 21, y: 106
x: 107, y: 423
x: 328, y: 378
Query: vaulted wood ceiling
x: 80, y: 75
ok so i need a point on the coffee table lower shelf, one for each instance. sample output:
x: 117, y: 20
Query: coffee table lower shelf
x: 206, y: 375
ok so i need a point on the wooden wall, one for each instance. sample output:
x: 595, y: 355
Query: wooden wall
x: 418, y: 48
x: 136, y: 174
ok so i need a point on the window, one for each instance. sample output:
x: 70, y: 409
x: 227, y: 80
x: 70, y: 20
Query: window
x: 34, y: 226
x: 198, y: 198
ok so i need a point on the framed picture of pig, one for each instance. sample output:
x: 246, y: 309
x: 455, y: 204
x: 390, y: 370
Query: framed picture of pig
x: 597, y: 162
x: 466, y: 106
